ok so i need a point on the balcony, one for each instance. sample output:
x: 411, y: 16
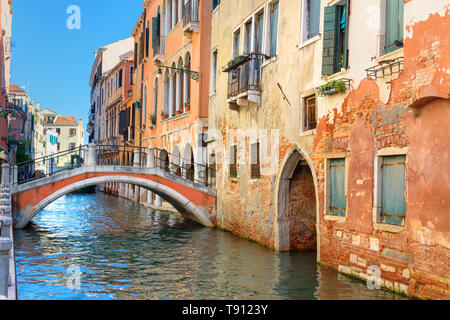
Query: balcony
x: 191, y: 21
x: 244, y: 79
x: 158, y: 49
x: 385, y: 68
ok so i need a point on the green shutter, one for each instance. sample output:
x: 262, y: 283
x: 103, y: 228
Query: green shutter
x: 394, y: 24
x: 338, y: 201
x: 393, y: 200
x: 155, y: 33
x: 331, y: 24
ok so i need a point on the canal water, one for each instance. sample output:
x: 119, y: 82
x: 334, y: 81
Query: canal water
x: 100, y: 247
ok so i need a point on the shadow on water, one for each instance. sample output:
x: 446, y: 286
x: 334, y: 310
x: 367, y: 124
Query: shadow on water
x: 94, y: 246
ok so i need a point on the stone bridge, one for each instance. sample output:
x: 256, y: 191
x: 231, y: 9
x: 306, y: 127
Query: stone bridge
x: 195, y: 200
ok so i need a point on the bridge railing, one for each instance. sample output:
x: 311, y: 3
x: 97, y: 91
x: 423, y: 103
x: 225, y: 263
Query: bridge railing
x: 123, y: 155
x: 49, y: 165
x: 136, y: 156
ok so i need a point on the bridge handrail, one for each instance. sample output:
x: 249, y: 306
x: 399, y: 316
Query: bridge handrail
x: 122, y: 155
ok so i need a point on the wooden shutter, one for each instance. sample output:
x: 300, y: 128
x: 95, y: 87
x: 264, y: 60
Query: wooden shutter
x: 255, y: 163
x: 331, y: 25
x: 155, y: 27
x: 338, y: 201
x: 393, y: 200
x: 314, y: 18
x: 394, y: 24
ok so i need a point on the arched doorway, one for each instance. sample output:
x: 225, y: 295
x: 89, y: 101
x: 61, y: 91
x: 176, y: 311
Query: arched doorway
x: 296, y: 205
x: 175, y: 161
x: 188, y: 162
x: 164, y: 162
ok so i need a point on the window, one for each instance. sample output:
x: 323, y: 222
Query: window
x: 72, y: 132
x: 233, y: 162
x: 254, y: 161
x: 215, y: 4
x: 213, y: 72
x: 393, y: 199
x: 72, y: 145
x: 273, y: 29
x: 338, y: 200
x: 147, y: 38
x: 58, y: 131
x: 120, y: 78
x: 155, y: 102
x: 311, y: 17
x: 394, y: 25
x: 335, y: 38
x: 309, y: 113
x: 131, y: 76
x: 247, y: 48
x: 236, y: 42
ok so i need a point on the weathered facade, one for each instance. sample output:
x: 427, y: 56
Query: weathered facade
x: 325, y: 127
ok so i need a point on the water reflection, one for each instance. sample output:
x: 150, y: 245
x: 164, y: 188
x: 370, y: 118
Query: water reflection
x: 127, y: 251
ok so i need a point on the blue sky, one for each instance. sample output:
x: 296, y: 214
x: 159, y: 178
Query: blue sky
x: 54, y: 63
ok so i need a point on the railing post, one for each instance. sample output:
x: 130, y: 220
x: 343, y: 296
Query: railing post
x: 92, y: 155
x: 137, y: 158
x: 151, y: 158
x: 5, y: 247
x: 15, y: 175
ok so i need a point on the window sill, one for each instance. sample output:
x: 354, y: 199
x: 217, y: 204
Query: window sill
x: 308, y: 133
x: 234, y: 179
x: 388, y: 227
x: 330, y: 217
x: 177, y: 117
x: 274, y: 58
x: 309, y: 41
x: 391, y: 55
x: 336, y: 75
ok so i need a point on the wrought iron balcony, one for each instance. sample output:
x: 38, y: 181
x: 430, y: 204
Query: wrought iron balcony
x: 385, y: 68
x: 244, y: 77
x: 191, y: 16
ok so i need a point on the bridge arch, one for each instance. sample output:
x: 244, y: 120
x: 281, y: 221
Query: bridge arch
x: 179, y: 200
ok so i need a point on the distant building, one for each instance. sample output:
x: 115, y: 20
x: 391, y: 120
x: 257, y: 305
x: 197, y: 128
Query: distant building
x: 106, y: 59
x: 51, y: 148
x: 70, y: 133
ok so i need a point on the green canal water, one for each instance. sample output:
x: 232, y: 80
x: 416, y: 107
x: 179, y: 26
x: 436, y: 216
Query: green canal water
x: 100, y: 247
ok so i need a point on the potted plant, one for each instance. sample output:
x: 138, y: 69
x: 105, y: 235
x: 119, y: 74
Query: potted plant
x: 332, y: 87
x: 164, y: 116
x: 187, y: 105
x: 177, y: 112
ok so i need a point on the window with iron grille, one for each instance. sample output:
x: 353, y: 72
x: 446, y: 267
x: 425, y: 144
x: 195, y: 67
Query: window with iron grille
x: 233, y: 162
x: 254, y: 161
x: 309, y: 113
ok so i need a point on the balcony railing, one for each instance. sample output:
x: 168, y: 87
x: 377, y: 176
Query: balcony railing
x: 190, y: 13
x: 245, y: 74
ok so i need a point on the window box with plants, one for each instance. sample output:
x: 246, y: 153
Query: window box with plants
x: 164, y: 116
x: 334, y: 87
x: 233, y: 63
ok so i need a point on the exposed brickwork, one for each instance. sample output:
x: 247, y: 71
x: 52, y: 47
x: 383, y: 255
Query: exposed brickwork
x: 302, y: 210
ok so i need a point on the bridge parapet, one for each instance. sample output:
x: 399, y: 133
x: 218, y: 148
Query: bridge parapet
x: 7, y: 260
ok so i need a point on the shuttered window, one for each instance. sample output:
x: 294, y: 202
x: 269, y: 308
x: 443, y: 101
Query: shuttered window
x: 233, y: 162
x: 335, y: 38
x: 147, y: 39
x: 338, y: 200
x: 254, y: 159
x: 394, y: 24
x: 120, y: 78
x: 393, y: 199
x: 309, y: 113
